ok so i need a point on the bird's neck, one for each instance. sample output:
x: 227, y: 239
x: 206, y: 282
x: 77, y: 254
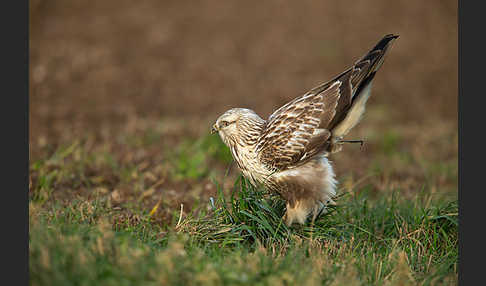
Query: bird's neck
x: 243, y: 149
x: 249, y: 131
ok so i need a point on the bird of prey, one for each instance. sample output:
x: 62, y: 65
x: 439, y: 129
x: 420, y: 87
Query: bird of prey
x: 287, y: 153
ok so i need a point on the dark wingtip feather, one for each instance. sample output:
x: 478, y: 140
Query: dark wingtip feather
x: 383, y: 43
x: 392, y: 36
x: 368, y: 66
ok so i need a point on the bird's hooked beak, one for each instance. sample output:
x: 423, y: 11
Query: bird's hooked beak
x: 214, y: 129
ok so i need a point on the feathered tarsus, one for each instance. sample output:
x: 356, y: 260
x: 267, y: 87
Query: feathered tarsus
x: 288, y: 152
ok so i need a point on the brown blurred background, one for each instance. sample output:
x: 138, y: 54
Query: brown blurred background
x: 105, y: 67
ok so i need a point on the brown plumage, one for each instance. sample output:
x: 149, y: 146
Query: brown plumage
x: 288, y: 152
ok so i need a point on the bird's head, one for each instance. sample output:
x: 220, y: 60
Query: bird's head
x: 236, y: 122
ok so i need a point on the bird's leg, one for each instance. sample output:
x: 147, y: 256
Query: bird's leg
x: 317, y: 211
x: 335, y: 145
x: 361, y: 142
x: 321, y: 209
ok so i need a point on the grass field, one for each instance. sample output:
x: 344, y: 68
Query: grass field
x: 136, y: 235
x: 127, y: 186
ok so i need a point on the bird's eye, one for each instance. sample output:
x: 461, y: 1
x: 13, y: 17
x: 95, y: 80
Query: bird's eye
x: 224, y: 123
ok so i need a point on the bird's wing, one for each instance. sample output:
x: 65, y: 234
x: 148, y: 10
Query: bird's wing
x: 292, y: 133
x: 303, y: 127
x: 356, y: 87
x: 354, y: 91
